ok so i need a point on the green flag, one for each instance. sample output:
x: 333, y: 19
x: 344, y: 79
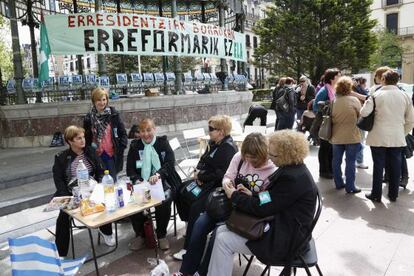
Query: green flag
x: 44, y: 54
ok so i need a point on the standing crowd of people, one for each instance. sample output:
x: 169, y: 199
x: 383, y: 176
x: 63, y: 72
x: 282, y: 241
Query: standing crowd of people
x: 267, y: 179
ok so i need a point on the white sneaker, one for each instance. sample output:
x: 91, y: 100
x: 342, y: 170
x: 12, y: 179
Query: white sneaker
x: 179, y: 255
x: 361, y: 166
x: 108, y: 239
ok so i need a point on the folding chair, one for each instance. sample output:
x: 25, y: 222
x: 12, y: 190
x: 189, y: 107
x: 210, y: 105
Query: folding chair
x: 251, y: 129
x: 192, y: 134
x: 236, y: 128
x: 301, y: 259
x: 32, y: 255
x: 187, y: 165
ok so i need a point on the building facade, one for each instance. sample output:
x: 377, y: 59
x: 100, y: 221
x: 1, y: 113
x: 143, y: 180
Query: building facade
x: 398, y: 16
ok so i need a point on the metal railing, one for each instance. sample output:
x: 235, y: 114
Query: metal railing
x: 406, y: 31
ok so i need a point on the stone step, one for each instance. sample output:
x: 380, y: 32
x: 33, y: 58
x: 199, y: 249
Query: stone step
x: 26, y: 196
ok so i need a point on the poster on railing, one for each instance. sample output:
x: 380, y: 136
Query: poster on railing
x: 133, y: 34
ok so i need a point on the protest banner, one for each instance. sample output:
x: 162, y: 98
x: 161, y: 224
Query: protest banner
x: 133, y: 34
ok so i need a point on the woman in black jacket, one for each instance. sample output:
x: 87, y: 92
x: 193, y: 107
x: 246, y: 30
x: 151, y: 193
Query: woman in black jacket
x: 105, y: 132
x: 151, y: 158
x: 210, y: 169
x: 64, y: 171
x: 290, y: 198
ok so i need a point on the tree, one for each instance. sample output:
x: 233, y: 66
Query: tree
x: 307, y: 36
x: 6, y: 63
x: 389, y: 51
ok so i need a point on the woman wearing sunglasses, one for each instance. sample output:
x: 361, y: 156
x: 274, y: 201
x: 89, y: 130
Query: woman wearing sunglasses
x: 210, y: 169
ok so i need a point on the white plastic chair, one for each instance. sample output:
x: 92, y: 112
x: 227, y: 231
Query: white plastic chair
x: 236, y: 128
x: 251, y: 129
x: 192, y: 134
x: 187, y: 165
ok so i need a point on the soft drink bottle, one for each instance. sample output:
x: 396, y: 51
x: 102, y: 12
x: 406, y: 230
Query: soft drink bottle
x: 82, y: 175
x: 109, y: 192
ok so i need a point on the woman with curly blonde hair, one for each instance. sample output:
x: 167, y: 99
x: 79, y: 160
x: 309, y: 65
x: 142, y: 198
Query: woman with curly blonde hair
x: 290, y: 198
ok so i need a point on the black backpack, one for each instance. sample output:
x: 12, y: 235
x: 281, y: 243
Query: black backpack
x: 282, y: 102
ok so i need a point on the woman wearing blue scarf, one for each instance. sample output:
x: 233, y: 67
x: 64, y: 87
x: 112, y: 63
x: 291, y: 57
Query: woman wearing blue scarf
x: 151, y: 158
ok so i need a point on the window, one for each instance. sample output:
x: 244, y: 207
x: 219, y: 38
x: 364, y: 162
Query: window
x: 392, y: 22
x: 88, y: 63
x: 248, y: 56
x: 391, y: 2
x: 71, y: 66
x: 247, y: 40
x: 255, y: 42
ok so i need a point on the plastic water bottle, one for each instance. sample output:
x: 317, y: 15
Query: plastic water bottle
x: 109, y: 192
x: 82, y: 175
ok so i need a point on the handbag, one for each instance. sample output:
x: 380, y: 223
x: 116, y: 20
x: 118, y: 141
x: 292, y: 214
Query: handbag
x: 367, y: 123
x: 246, y: 225
x: 408, y: 150
x: 325, y: 131
x: 218, y: 206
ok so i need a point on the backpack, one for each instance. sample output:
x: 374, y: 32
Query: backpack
x: 282, y: 103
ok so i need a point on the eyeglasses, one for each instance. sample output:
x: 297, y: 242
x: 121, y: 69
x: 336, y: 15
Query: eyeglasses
x: 272, y: 155
x: 211, y: 129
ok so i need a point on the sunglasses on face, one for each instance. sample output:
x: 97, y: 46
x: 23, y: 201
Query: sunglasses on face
x: 211, y: 129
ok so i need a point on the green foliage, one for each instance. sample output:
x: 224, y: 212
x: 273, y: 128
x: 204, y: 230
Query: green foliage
x: 6, y: 63
x: 389, y: 51
x: 261, y: 94
x: 308, y: 36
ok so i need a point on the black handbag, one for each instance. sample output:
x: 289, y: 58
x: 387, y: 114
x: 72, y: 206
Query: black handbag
x: 408, y: 150
x: 367, y: 123
x: 218, y: 206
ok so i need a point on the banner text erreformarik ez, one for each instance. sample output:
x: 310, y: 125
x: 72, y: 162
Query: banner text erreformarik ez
x: 132, y: 34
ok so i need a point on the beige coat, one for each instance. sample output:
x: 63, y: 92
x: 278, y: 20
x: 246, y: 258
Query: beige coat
x: 394, y: 117
x: 345, y: 113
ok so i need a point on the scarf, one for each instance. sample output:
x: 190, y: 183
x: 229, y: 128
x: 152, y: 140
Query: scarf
x: 151, y: 161
x: 331, y: 92
x: 100, y: 122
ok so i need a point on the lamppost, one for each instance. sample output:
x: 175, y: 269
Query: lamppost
x: 29, y: 19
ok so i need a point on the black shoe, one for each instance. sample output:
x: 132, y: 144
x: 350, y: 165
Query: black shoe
x: 354, y: 191
x: 392, y: 199
x: 404, y: 182
x: 372, y: 198
x: 326, y: 175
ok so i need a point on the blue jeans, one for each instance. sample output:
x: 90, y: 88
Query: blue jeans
x: 351, y: 151
x: 202, y: 227
x: 299, y: 113
x: 360, y: 154
x: 393, y: 157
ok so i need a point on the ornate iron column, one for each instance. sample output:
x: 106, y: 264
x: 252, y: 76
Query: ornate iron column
x: 101, y: 59
x: 177, y: 62
x: 223, y: 62
x: 17, y: 58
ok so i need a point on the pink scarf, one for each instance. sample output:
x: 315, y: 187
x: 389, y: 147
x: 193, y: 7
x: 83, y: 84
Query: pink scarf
x: 331, y: 92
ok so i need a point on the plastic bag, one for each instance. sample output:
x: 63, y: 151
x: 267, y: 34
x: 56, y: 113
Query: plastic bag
x: 160, y: 270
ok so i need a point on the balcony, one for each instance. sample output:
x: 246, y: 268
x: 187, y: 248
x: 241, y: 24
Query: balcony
x: 391, y: 3
x: 406, y: 31
x: 252, y: 17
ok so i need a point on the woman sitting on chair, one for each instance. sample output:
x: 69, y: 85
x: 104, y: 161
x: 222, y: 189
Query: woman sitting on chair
x: 64, y: 170
x: 151, y: 159
x: 249, y: 172
x: 290, y: 198
x: 210, y: 170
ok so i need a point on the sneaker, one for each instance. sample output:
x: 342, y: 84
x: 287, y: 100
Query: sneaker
x: 179, y: 255
x: 136, y: 244
x: 361, y: 166
x: 108, y: 239
x: 164, y: 244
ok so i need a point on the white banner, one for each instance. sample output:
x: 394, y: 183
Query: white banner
x: 133, y: 34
